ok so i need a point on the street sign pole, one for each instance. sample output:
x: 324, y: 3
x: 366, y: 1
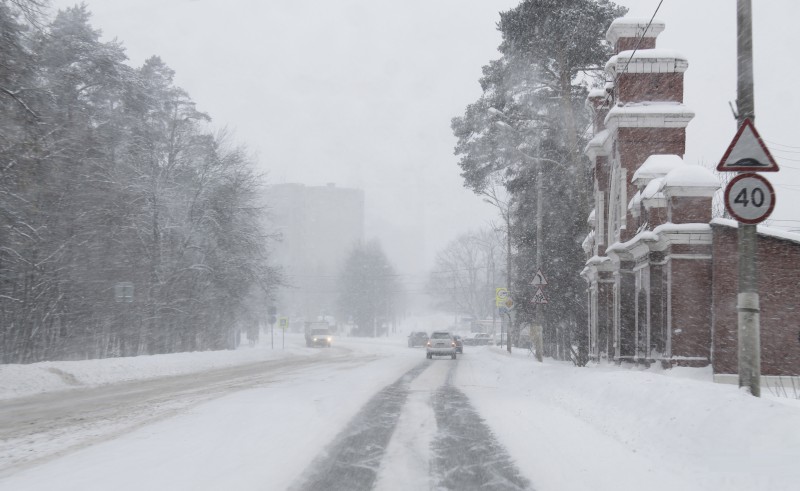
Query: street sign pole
x: 749, y: 336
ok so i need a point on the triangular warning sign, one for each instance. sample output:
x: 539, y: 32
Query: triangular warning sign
x: 539, y: 279
x: 747, y: 153
x: 539, y: 296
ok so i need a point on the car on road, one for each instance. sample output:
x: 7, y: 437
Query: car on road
x: 319, y: 336
x: 459, y: 344
x: 418, y: 338
x: 478, y: 339
x: 441, y: 343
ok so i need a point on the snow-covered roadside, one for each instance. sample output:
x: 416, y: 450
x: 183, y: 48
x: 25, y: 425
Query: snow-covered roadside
x: 261, y: 438
x: 24, y: 380
x: 606, y: 427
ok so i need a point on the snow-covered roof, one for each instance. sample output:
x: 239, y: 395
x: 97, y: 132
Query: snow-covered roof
x: 631, y: 27
x: 761, y: 229
x: 591, y: 217
x: 651, y: 61
x: 657, y: 165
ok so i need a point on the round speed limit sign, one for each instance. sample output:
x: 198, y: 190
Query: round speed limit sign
x: 749, y: 198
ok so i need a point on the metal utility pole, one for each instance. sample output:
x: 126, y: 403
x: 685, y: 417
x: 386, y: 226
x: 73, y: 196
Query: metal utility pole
x: 748, y: 302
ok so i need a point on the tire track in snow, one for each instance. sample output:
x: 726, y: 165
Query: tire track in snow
x: 352, y: 461
x: 466, y: 454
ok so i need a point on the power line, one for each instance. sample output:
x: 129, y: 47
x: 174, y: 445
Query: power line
x: 608, y: 97
x: 782, y: 145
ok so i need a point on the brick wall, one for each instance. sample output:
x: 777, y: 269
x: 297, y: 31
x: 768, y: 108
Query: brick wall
x: 641, y: 87
x: 655, y: 216
x: 636, y: 144
x: 684, y: 209
x: 691, y: 315
x: 779, y: 292
x: 625, y: 44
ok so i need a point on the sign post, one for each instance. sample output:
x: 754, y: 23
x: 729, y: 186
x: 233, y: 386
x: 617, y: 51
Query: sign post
x: 501, y: 296
x: 539, y: 298
x: 749, y: 198
x: 283, y: 324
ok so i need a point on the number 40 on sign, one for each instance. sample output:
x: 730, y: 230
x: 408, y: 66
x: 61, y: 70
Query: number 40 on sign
x: 749, y: 198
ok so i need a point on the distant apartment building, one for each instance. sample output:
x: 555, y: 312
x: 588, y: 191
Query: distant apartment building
x: 319, y: 225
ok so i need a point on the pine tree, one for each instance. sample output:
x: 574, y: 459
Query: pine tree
x: 530, y: 124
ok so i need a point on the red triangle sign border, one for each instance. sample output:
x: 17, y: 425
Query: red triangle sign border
x: 772, y: 167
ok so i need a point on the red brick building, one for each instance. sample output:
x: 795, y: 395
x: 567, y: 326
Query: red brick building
x: 662, y: 274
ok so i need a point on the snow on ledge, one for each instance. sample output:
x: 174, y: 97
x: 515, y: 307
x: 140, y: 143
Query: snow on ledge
x: 691, y: 176
x: 761, y: 229
x: 596, y: 92
x: 651, y: 61
x: 648, y: 54
x: 670, y: 227
x: 657, y: 165
x: 631, y: 27
x: 597, y: 260
x: 653, y: 189
x: 649, y: 115
x: 655, y: 234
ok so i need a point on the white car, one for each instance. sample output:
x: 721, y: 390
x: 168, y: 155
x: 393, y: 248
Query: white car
x: 441, y: 343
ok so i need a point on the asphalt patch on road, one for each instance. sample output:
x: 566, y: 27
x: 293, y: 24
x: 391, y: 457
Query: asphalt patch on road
x: 351, y: 462
x: 466, y: 454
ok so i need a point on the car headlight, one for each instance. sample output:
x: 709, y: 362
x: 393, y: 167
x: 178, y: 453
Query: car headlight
x: 315, y: 339
x: 329, y: 339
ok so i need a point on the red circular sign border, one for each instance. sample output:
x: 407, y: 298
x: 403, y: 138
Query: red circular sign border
x: 760, y: 178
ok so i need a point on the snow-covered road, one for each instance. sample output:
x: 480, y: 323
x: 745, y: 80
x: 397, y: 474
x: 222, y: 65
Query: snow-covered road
x: 373, y: 414
x: 34, y: 428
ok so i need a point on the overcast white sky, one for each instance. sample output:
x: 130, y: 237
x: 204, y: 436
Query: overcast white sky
x: 361, y: 92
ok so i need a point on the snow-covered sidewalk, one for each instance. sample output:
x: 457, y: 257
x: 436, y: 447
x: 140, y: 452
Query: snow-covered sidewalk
x: 608, y: 427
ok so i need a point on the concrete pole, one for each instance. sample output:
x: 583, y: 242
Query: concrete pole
x: 748, y: 301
